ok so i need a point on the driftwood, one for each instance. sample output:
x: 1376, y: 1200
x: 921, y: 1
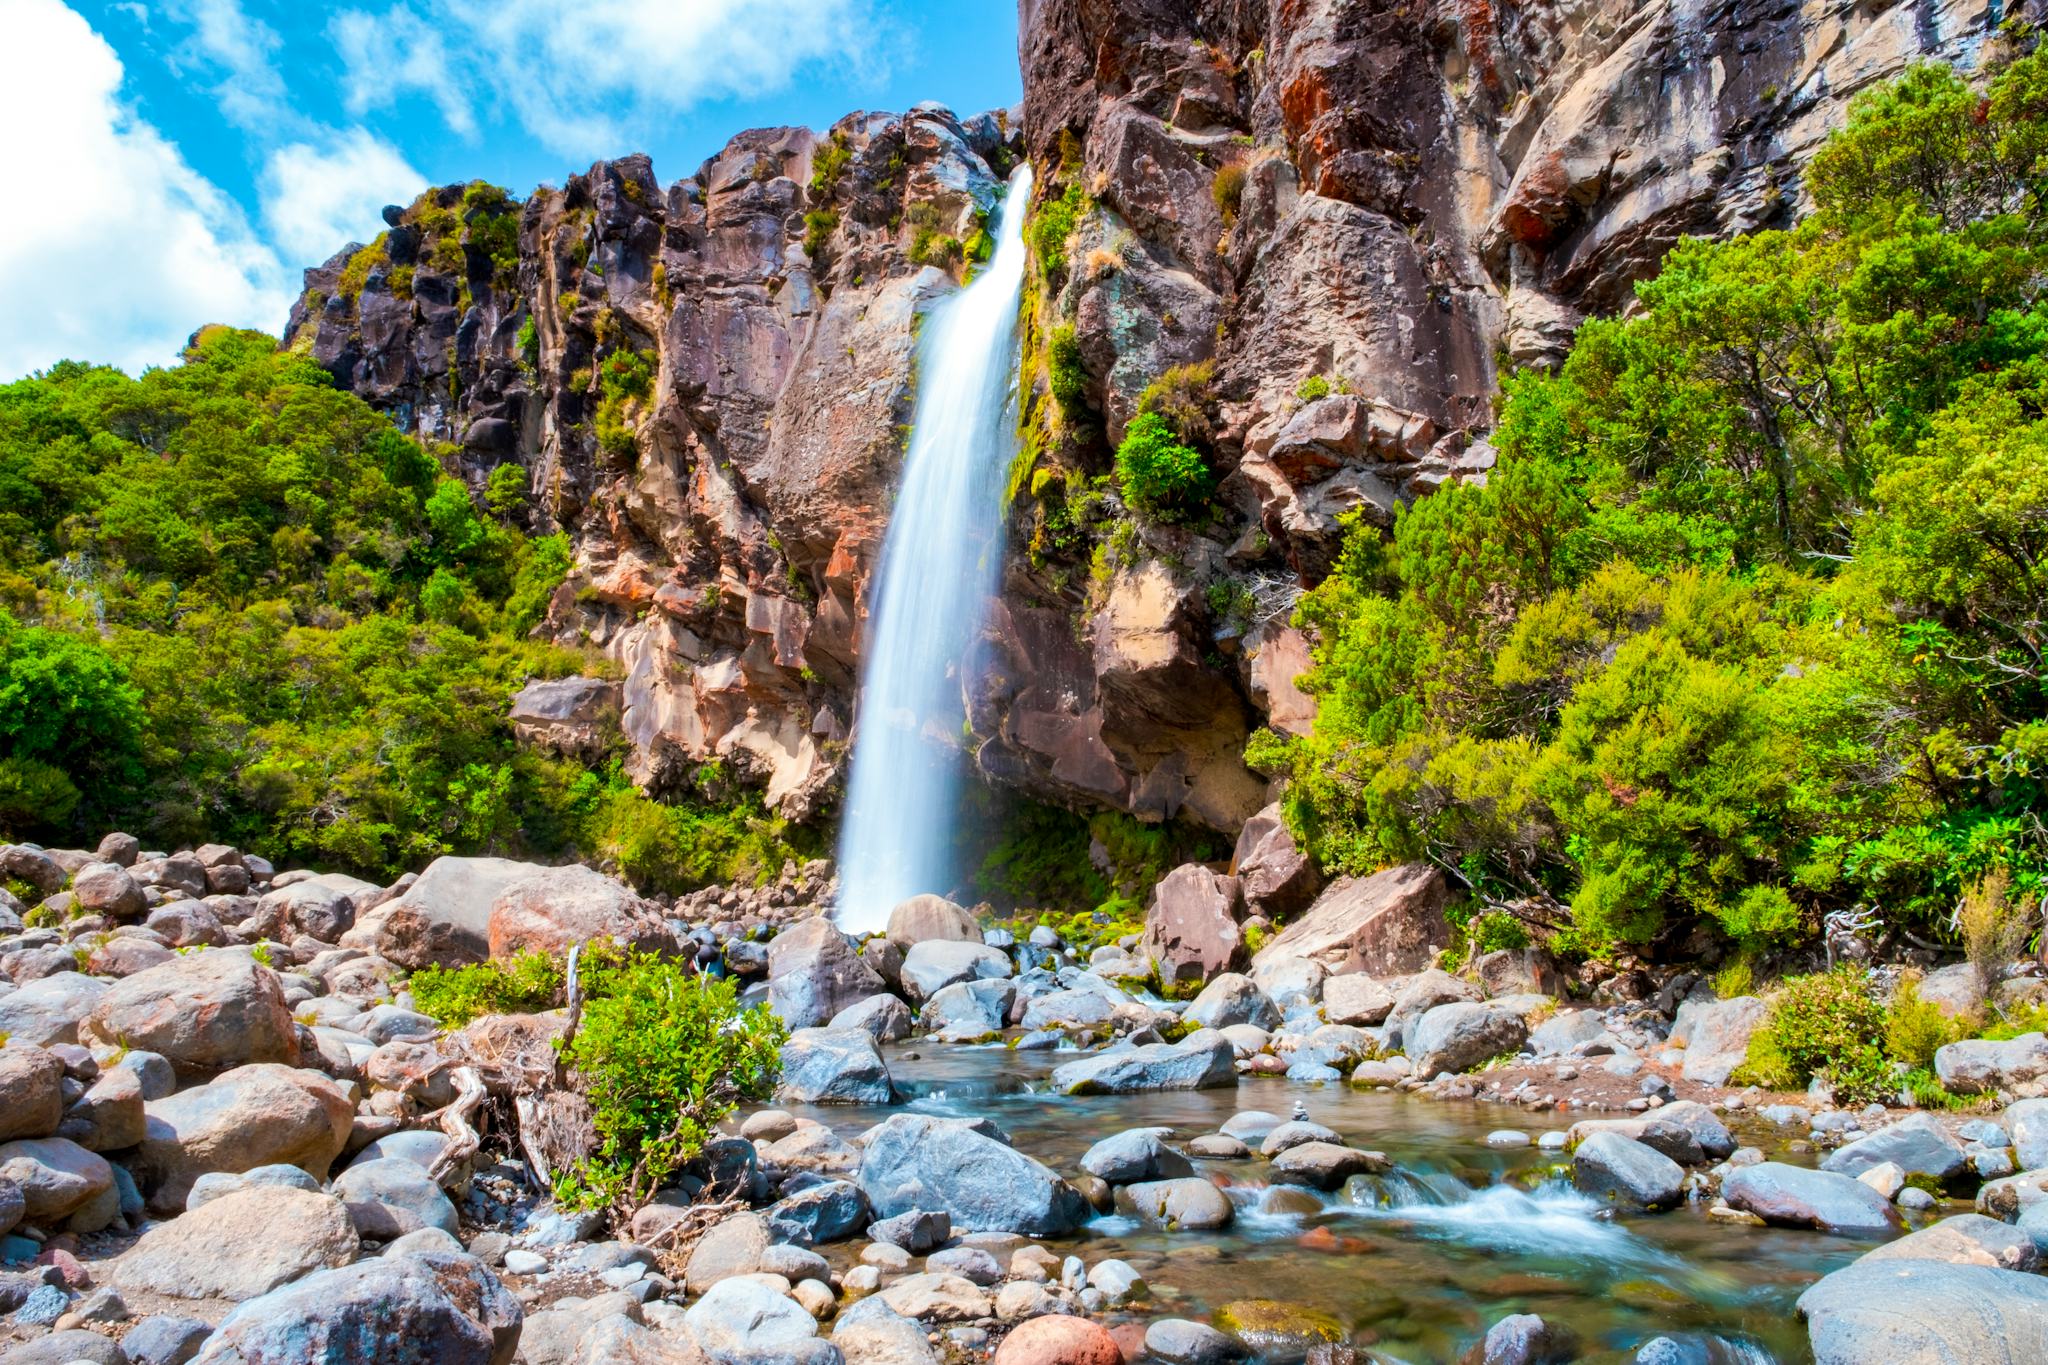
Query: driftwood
x: 454, y: 1118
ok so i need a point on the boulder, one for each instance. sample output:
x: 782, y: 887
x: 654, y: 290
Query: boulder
x: 31, y: 1092
x: 1971, y: 1067
x: 49, y: 1010
x: 257, y: 1115
x: 1191, y: 931
x: 1384, y: 924
x: 205, y: 1013
x: 969, y: 1011
x: 833, y: 1066
x: 239, y: 1246
x: 819, y: 1213
x: 1915, y: 1312
x: 1624, y: 1171
x: 1957, y: 989
x: 1356, y: 999
x: 386, y: 1199
x: 733, y: 1246
x: 1965, y: 1239
x: 886, y: 1019
x: 1134, y: 1155
x: 1197, y: 1063
x: 107, y: 889
x: 1324, y: 1165
x: 433, y: 1308
x: 1519, y: 971
x: 1793, y: 1196
x: 935, y: 964
x: 1420, y: 994
x: 1717, y: 1040
x: 1232, y: 999
x: 109, y: 1116
x: 1917, y: 1144
x: 72, y: 1346
x: 554, y: 909
x: 739, y: 1320
x: 1293, y: 983
x: 1459, y: 1036
x: 1059, y: 1340
x: 2026, y: 1123
x: 872, y: 1333
x: 444, y: 918
x: 915, y: 1162
x: 1275, y: 877
x: 938, y: 1297
x: 924, y: 918
x: 1566, y: 1031
x: 323, y: 906
x: 813, y: 973
x: 618, y: 1340
x: 57, y: 1178
x: 165, y: 1339
x: 1177, y: 1341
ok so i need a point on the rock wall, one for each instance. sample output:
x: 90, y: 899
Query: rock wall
x: 1429, y: 193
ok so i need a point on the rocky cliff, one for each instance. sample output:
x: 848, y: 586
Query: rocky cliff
x: 1344, y: 220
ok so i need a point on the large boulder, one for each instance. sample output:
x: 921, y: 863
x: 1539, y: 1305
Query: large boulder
x: 1793, y: 1196
x: 733, y: 1246
x: 239, y: 1246
x: 204, y: 1012
x: 429, y: 1308
x: 388, y: 1198
x: 914, y: 1162
x: 554, y: 909
x: 742, y: 1320
x: 1275, y: 877
x: 49, y: 1009
x: 1356, y: 998
x: 870, y: 1332
x: 885, y: 1018
x: 1421, y: 993
x: 935, y: 964
x: 1919, y: 1312
x: 1610, y: 1166
x: 1971, y: 1067
x: 107, y: 889
x: 1716, y: 1036
x: 927, y: 917
x: 968, y: 1011
x: 1385, y: 924
x: 1201, y: 1062
x: 444, y: 918
x: 1916, y: 1144
x: 1134, y: 1155
x: 31, y: 1092
x: 260, y: 1115
x: 1965, y: 1239
x: 2026, y: 1123
x: 323, y: 906
x: 1459, y: 1036
x: 833, y: 1066
x: 1191, y: 931
x: 1232, y: 999
x: 57, y: 1177
x: 1057, y: 1339
x: 813, y: 973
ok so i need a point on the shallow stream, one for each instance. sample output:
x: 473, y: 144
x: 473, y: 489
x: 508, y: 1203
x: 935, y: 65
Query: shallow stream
x: 1465, y: 1234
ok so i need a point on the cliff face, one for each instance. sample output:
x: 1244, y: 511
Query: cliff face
x: 707, y: 385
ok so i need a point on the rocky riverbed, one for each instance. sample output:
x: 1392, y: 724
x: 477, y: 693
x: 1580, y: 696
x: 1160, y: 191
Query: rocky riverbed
x: 226, y: 1135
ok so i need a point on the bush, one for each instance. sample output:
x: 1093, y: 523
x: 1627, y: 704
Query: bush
x: 829, y: 160
x: 529, y: 983
x: 1915, y: 1028
x: 1228, y: 189
x: 663, y: 1055
x: 1054, y: 225
x: 1160, y: 475
x: 1825, y: 1025
x: 1312, y: 388
x: 819, y: 224
x: 1183, y: 396
x: 1065, y: 373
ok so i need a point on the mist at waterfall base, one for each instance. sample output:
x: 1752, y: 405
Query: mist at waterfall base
x: 941, y: 562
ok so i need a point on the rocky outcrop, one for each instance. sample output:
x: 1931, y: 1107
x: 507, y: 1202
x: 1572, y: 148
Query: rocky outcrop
x: 1385, y: 924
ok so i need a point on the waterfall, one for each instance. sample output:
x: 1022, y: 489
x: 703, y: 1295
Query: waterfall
x: 941, y: 561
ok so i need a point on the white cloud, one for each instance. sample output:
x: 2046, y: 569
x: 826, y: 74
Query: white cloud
x: 126, y: 250
x: 580, y: 77
x: 317, y: 197
x: 229, y: 43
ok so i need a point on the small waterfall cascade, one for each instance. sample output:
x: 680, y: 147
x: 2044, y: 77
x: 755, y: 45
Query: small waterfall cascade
x: 941, y: 561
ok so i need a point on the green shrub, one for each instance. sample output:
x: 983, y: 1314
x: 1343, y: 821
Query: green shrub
x: 34, y: 797
x: 1160, y: 474
x: 1314, y: 387
x: 1228, y: 189
x: 567, y: 302
x: 529, y: 341
x: 829, y: 160
x: 529, y: 983
x: 1054, y: 225
x: 1914, y: 1028
x: 505, y: 491
x: 1065, y: 373
x: 1827, y: 1024
x: 663, y: 1055
x: 819, y: 224
x: 356, y: 273
x: 1183, y: 396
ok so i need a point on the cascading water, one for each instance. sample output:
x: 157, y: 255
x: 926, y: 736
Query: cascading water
x: 940, y: 563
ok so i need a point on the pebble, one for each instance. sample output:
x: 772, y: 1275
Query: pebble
x: 44, y: 1305
x: 522, y: 1262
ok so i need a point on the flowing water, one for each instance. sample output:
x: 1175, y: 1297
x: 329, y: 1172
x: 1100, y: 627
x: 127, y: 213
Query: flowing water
x: 941, y: 562
x: 1417, y: 1264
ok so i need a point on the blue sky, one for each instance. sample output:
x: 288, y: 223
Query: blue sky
x: 181, y: 160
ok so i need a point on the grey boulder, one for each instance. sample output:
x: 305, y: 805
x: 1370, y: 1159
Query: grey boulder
x: 1197, y: 1063
x: 914, y: 1162
x: 1793, y: 1196
x: 1911, y: 1312
x: 833, y: 1066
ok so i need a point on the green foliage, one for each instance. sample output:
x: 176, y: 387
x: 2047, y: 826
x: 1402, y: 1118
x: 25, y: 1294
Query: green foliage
x: 529, y: 342
x: 691, y: 841
x: 663, y: 1055
x: 505, y: 491
x: 1744, y: 626
x: 1068, y: 377
x: 626, y: 383
x: 529, y: 983
x: 1828, y: 1025
x: 1228, y: 189
x: 1053, y: 226
x: 1314, y: 387
x: 1184, y: 396
x: 829, y: 161
x: 356, y: 273
x: 1161, y: 475
x: 819, y: 225
x: 1914, y: 1028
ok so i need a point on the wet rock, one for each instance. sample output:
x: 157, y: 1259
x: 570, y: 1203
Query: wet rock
x: 239, y: 1246
x: 1524, y: 1339
x: 813, y: 973
x: 1610, y: 1166
x: 1457, y: 1037
x: 1325, y: 1165
x: 1966, y: 1239
x: 886, y: 1018
x: 833, y: 1066
x: 1191, y: 929
x: 1912, y: 1311
x: 1384, y: 924
x: 1279, y: 1330
x: 1133, y: 1155
x: 1059, y: 1340
x: 931, y: 966
x: 1194, y: 1064
x: 1232, y: 999
x: 204, y: 1013
x: 913, y: 1162
x: 430, y: 1309
x: 1793, y: 1196
x: 1189, y: 1204
x: 1178, y: 1341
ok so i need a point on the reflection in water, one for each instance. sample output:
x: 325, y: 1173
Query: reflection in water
x: 1419, y: 1263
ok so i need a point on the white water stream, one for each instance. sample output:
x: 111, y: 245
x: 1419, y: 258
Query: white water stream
x: 941, y: 561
